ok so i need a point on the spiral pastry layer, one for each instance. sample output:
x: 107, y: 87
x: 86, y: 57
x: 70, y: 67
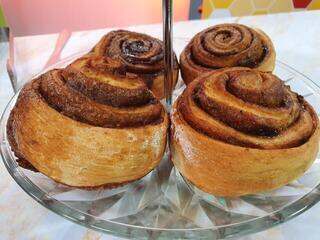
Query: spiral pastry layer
x: 226, y: 45
x: 248, y: 128
x: 88, y: 125
x: 138, y: 54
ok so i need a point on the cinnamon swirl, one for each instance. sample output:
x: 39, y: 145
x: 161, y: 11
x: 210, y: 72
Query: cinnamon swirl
x: 138, y: 54
x: 240, y: 131
x: 226, y: 45
x: 88, y: 125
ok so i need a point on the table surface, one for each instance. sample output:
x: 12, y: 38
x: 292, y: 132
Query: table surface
x: 296, y: 38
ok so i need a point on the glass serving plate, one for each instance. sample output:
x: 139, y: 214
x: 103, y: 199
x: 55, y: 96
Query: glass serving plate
x: 163, y: 205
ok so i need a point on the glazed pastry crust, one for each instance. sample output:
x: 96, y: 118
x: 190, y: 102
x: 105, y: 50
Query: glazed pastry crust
x: 228, y: 170
x: 191, y: 69
x: 78, y: 154
x: 230, y: 138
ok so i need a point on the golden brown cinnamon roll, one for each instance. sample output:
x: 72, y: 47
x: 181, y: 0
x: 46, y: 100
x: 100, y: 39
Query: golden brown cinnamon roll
x: 240, y: 131
x: 88, y: 125
x: 138, y: 54
x: 226, y: 45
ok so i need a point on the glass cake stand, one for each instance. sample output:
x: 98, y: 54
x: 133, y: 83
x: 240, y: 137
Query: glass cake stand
x: 163, y: 205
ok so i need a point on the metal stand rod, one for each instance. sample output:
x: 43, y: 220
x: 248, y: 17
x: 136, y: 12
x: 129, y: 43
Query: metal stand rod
x: 168, y: 52
x: 10, y: 66
x: 12, y: 77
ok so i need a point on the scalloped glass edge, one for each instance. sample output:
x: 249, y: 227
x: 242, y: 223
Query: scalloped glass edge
x: 121, y: 229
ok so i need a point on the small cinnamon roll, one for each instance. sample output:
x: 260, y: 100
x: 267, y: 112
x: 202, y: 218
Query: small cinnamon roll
x: 138, y: 54
x: 227, y: 45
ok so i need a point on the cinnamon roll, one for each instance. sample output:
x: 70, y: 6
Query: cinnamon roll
x: 88, y: 125
x: 138, y: 54
x: 227, y: 45
x: 240, y: 131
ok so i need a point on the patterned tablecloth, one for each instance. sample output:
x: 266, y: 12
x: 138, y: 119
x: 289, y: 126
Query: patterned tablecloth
x: 296, y: 38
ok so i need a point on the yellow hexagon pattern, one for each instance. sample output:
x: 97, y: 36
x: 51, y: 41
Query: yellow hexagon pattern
x: 281, y: 6
x: 260, y: 12
x: 207, y: 8
x: 261, y: 4
x: 241, y: 8
x: 254, y: 7
x: 222, y: 4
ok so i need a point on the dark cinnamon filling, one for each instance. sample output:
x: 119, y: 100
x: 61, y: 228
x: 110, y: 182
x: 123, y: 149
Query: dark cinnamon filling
x: 226, y: 46
x: 105, y: 93
x: 198, y: 62
x: 136, y: 47
x: 139, y: 53
x: 284, y: 123
x: 252, y: 63
x: 74, y: 104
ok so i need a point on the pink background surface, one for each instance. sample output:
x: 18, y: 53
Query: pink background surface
x: 30, y: 17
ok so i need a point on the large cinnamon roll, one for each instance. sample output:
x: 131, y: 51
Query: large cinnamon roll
x: 88, y: 125
x: 241, y: 131
x: 138, y: 54
x: 227, y: 45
